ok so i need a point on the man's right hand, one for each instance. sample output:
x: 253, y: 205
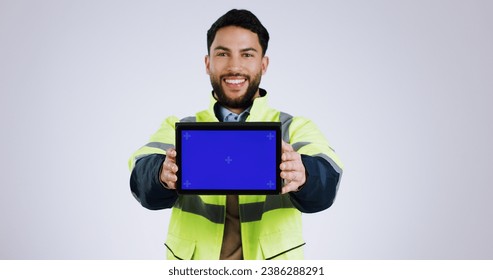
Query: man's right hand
x: 169, y: 169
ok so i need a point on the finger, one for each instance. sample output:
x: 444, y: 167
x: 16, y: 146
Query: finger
x: 291, y: 166
x: 171, y: 185
x: 169, y: 179
x: 172, y: 178
x: 171, y: 182
x: 168, y: 173
x: 171, y: 154
x: 292, y: 176
x: 170, y: 166
x: 286, y: 147
x: 286, y: 166
x: 290, y: 187
x: 286, y: 156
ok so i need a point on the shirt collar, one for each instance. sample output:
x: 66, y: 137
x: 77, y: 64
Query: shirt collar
x: 226, y: 115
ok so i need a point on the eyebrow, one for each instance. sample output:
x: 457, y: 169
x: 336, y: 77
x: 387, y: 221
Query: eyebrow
x: 221, y: 48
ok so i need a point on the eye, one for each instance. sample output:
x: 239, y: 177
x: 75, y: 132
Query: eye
x: 221, y: 54
x: 247, y: 55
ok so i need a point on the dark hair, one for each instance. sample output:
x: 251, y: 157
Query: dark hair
x: 241, y: 18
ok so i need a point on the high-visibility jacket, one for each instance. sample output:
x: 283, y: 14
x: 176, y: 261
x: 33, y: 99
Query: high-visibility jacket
x: 270, y: 225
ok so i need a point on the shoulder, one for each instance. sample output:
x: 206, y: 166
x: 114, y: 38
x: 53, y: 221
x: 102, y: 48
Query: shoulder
x: 296, y: 122
x: 169, y: 122
x: 300, y: 128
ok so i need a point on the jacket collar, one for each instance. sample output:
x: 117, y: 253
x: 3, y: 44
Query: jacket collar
x: 257, y: 109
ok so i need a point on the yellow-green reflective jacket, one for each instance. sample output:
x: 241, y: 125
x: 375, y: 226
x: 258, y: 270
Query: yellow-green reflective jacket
x: 270, y: 224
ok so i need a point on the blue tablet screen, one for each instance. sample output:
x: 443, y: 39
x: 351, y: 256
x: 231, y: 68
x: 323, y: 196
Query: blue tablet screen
x: 228, y: 160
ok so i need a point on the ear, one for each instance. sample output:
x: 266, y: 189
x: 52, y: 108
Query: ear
x: 265, y: 64
x: 207, y: 64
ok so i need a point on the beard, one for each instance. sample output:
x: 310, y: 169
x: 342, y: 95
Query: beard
x: 242, y: 102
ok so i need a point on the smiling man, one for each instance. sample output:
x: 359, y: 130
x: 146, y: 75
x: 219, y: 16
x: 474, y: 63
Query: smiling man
x: 239, y: 226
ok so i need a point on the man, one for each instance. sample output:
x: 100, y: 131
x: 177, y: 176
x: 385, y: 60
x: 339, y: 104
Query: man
x: 239, y: 226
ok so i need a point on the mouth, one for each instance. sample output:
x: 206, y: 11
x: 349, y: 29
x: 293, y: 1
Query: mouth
x: 235, y: 82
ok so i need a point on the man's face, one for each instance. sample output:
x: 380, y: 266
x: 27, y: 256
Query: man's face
x: 235, y: 66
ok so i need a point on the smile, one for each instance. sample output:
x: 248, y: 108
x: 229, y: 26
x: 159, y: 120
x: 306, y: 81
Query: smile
x: 235, y: 81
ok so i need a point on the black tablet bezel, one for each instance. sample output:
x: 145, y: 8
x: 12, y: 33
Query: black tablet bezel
x: 234, y: 126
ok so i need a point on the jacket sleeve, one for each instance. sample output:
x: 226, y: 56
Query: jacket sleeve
x: 323, y: 167
x: 320, y: 188
x: 145, y: 165
x: 146, y: 186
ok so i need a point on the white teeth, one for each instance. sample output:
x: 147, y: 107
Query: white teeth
x: 235, y: 81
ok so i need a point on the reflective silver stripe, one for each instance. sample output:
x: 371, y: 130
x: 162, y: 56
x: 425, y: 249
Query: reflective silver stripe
x: 299, y: 145
x: 330, y: 161
x: 141, y: 156
x: 285, y: 120
x: 159, y: 145
x: 251, y: 212
x: 195, y: 205
x: 164, y: 146
x: 335, y: 166
x: 189, y: 119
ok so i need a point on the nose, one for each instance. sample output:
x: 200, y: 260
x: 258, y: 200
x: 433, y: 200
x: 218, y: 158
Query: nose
x: 234, y: 64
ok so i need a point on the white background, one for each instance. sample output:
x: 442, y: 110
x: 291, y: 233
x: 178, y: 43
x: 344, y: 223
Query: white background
x: 403, y: 90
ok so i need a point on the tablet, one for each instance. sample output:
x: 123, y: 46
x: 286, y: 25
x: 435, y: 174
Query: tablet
x: 228, y: 157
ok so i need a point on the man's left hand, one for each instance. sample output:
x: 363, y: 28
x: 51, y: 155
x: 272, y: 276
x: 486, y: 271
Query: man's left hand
x: 292, y: 169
